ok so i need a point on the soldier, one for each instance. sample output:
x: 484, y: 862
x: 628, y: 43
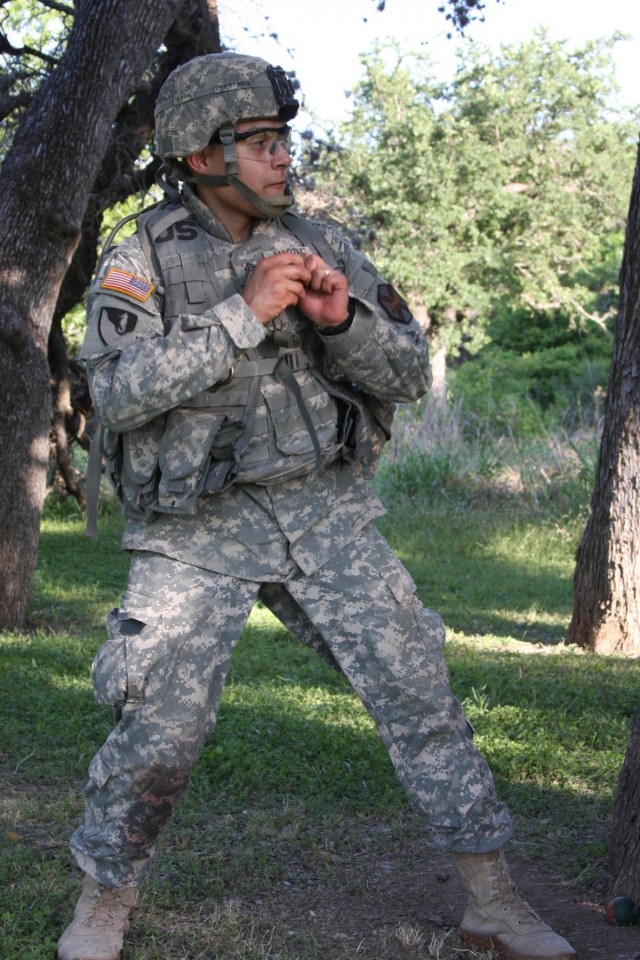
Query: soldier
x: 245, y: 365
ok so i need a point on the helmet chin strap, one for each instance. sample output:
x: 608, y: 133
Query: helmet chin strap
x: 269, y: 208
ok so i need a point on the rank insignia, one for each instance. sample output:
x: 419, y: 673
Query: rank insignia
x: 393, y: 304
x: 128, y: 283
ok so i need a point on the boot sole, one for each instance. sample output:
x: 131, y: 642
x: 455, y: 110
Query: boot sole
x: 490, y: 943
x: 56, y: 957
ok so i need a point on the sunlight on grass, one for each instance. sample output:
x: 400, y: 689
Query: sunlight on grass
x: 294, y: 786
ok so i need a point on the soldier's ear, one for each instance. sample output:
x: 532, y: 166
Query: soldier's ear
x: 198, y: 162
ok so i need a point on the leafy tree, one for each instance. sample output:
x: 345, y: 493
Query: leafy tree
x: 533, y: 187
x: 73, y: 150
x: 495, y: 193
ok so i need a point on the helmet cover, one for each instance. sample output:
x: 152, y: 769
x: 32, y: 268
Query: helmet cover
x: 216, y: 90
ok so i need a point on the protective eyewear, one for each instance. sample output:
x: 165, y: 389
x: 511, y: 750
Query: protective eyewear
x: 264, y: 142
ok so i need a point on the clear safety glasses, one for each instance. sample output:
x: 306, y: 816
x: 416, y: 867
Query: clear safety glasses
x: 263, y: 143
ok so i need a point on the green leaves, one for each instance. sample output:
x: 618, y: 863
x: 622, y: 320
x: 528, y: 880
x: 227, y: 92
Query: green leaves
x: 497, y: 191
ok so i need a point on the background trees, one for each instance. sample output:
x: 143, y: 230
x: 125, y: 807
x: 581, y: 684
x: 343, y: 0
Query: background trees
x: 496, y: 202
x: 77, y: 103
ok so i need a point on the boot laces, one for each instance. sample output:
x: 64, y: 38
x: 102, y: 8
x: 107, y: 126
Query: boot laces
x: 506, y: 893
x: 104, y: 908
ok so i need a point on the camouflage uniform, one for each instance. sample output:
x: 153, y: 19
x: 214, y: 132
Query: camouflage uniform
x: 290, y: 522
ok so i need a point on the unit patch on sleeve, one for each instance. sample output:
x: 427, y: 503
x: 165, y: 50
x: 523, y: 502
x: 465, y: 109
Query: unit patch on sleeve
x: 128, y: 283
x: 115, y: 323
x: 393, y: 304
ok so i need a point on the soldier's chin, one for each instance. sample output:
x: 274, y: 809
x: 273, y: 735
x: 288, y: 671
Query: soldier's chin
x: 282, y: 200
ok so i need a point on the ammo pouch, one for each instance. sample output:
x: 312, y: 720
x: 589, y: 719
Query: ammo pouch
x: 196, y: 444
x: 131, y: 463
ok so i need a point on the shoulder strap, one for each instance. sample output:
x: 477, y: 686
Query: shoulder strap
x: 309, y: 234
x: 118, y: 227
x: 92, y: 488
x: 151, y: 224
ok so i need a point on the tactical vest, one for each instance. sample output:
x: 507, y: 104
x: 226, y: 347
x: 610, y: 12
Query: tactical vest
x: 276, y: 417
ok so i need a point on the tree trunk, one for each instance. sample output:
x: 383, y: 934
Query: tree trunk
x: 24, y: 448
x: 606, y: 606
x: 624, y: 839
x: 46, y: 180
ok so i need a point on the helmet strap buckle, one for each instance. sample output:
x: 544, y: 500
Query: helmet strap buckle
x: 229, y: 149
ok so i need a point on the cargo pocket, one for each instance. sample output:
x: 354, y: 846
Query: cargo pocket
x: 429, y: 625
x: 131, y: 664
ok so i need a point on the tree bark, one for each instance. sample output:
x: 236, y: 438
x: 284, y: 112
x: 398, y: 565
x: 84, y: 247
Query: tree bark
x: 46, y: 181
x: 624, y: 838
x: 606, y: 605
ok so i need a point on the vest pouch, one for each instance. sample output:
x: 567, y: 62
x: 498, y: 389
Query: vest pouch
x: 371, y: 430
x: 189, y: 290
x: 185, y: 457
x: 131, y: 462
x: 226, y: 440
x: 292, y: 437
x: 140, y: 450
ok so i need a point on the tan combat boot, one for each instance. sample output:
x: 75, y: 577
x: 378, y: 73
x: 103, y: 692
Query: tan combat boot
x: 99, y: 924
x: 497, y: 916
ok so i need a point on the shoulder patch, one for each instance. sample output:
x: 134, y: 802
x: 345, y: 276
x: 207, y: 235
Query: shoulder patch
x: 114, y: 323
x: 393, y: 304
x: 128, y: 283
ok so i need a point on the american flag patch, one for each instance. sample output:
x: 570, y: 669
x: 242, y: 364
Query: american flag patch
x: 134, y: 286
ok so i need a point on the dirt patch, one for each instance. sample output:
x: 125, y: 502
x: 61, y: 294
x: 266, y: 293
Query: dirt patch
x: 581, y: 920
x: 356, y: 889
x: 399, y: 913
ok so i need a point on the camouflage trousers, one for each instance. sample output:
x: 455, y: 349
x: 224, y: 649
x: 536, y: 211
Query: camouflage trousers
x: 164, y: 665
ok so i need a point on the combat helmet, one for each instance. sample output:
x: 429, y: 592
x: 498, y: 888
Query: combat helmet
x: 206, y: 97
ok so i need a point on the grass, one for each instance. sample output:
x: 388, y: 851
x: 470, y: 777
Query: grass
x: 295, y: 841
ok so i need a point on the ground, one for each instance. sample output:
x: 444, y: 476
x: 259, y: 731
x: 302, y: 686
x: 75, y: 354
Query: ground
x: 434, y: 897
x: 375, y: 894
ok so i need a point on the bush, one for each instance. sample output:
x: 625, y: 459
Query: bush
x: 541, y: 373
x: 448, y: 450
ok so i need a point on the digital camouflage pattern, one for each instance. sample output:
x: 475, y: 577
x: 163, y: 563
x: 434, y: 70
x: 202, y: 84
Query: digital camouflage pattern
x: 155, y: 345
x: 171, y: 640
x: 216, y: 90
x: 258, y: 532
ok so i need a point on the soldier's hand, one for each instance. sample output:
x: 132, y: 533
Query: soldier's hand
x: 277, y: 282
x: 325, y: 300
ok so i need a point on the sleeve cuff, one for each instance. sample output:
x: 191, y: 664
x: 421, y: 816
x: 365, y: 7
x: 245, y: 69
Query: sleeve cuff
x: 240, y: 323
x: 340, y: 327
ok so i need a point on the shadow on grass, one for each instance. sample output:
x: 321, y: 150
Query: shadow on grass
x: 294, y: 787
x: 78, y: 579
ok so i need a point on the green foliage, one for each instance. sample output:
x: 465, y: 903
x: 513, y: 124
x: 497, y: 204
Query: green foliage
x: 453, y: 452
x: 506, y: 189
x: 535, y: 370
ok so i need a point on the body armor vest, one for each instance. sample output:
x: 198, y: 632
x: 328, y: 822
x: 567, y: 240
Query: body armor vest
x: 275, y: 417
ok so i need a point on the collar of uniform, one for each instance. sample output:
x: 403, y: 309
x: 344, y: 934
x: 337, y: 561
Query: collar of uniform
x: 204, y: 216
